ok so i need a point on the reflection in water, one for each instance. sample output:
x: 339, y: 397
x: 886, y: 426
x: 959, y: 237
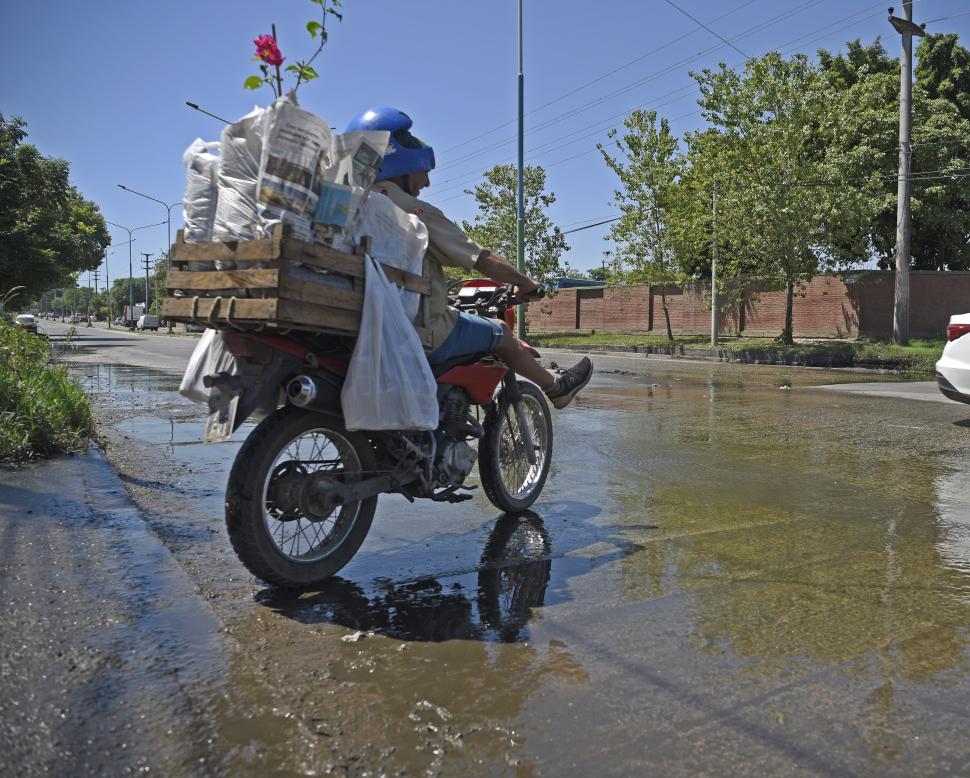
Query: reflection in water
x: 511, y: 581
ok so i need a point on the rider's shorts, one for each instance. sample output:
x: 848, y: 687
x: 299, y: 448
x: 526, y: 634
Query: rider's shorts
x: 471, y: 335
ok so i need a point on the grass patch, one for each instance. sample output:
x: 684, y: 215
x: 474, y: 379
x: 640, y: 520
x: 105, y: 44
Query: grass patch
x: 42, y: 411
x: 919, y: 356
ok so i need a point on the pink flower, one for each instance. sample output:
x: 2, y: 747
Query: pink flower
x: 268, y: 51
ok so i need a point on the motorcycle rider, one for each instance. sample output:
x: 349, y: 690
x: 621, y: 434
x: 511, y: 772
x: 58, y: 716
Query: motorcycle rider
x: 403, y: 174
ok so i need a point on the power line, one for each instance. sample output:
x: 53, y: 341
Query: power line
x: 599, y: 78
x: 800, y: 8
x: 712, y: 32
x: 944, y: 18
x: 463, y: 179
x: 590, y: 226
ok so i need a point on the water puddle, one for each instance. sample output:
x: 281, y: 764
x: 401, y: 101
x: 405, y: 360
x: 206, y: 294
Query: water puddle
x: 722, y: 565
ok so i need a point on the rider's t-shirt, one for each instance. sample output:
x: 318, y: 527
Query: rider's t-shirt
x: 448, y: 246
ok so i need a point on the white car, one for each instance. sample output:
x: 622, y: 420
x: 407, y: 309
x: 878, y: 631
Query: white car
x: 953, y: 369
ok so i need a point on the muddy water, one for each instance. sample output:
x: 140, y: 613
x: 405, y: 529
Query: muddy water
x: 727, y: 573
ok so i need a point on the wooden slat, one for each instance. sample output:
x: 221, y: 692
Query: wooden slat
x: 235, y: 251
x: 353, y: 265
x: 319, y: 292
x: 328, y: 259
x: 259, y: 310
x: 406, y: 280
x: 223, y: 279
x: 313, y: 316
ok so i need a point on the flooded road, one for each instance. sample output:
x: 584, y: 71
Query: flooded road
x: 728, y: 573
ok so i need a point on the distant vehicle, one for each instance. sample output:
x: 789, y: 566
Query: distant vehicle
x: 133, y: 313
x: 147, y: 321
x: 194, y: 328
x: 75, y: 318
x: 26, y: 322
x: 82, y: 317
x: 119, y: 322
x: 953, y: 369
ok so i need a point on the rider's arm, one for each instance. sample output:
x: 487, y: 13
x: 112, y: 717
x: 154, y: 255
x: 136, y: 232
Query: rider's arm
x: 497, y: 268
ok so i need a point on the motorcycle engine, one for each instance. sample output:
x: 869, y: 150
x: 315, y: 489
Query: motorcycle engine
x: 457, y: 460
x: 455, y: 457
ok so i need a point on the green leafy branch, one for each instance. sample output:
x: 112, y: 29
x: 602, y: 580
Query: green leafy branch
x: 302, y: 69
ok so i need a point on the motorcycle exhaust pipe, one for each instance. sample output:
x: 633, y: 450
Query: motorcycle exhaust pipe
x: 308, y: 392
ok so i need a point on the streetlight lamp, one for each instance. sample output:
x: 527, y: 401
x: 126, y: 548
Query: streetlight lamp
x: 131, y: 290
x: 168, y: 222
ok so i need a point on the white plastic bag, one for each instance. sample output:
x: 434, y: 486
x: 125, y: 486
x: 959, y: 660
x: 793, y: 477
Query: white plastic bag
x: 201, y: 192
x: 240, y: 149
x: 389, y: 383
x: 210, y: 357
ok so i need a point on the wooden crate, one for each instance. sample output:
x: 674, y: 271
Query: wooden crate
x: 262, y: 290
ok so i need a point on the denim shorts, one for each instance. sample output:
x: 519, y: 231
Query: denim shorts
x: 471, y: 335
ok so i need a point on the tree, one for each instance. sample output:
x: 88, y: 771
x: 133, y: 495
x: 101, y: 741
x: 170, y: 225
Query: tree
x: 47, y: 229
x: 784, y: 204
x: 864, y: 82
x: 648, y: 171
x: 495, y: 224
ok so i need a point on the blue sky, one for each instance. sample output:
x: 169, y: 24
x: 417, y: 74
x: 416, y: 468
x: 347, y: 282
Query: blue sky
x: 104, y: 83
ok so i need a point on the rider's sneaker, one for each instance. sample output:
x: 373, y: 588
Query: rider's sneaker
x: 569, y: 382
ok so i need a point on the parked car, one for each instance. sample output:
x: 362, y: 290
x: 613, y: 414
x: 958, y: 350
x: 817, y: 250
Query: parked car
x: 953, y: 369
x: 27, y: 322
x: 147, y: 321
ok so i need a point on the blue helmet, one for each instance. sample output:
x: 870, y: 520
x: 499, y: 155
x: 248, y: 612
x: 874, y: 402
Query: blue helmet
x: 405, y: 153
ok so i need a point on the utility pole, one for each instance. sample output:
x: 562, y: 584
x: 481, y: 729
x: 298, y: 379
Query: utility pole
x: 714, y: 301
x: 145, y: 262
x: 107, y: 286
x: 97, y: 308
x: 90, y: 294
x: 904, y: 217
x: 520, y: 188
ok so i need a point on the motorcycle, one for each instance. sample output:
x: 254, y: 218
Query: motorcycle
x: 303, y: 489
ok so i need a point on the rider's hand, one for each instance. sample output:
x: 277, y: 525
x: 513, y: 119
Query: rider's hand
x: 526, y: 291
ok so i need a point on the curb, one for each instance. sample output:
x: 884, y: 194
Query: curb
x: 747, y: 356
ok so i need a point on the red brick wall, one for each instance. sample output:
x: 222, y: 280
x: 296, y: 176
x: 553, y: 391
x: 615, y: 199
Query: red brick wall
x: 828, y: 306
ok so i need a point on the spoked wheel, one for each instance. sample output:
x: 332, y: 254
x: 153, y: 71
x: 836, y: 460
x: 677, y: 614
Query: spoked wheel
x: 282, y: 525
x: 511, y: 482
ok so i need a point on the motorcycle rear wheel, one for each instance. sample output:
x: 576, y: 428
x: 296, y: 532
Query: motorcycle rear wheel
x: 510, y: 482
x: 278, y: 534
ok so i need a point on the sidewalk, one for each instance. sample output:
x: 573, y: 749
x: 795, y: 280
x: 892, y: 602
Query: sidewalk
x: 107, y: 651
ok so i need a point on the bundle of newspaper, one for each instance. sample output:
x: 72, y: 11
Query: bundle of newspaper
x: 282, y: 164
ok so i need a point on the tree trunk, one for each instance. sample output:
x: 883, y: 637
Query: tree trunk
x: 663, y: 302
x: 787, y: 335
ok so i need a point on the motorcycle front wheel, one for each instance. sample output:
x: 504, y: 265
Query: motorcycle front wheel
x: 280, y: 528
x: 510, y: 481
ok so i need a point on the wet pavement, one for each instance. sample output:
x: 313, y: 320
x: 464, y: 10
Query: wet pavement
x: 728, y: 573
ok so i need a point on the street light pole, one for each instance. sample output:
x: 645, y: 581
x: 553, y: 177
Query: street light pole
x: 520, y: 187
x: 131, y: 291
x: 904, y: 216
x: 168, y: 222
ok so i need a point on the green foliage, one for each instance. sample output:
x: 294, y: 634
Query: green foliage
x: 47, y: 229
x: 649, y: 173
x: 865, y: 83
x: 302, y: 69
x: 785, y: 207
x: 41, y: 410
x: 494, y: 226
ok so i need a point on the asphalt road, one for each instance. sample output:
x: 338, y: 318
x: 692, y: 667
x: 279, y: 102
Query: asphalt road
x: 730, y: 572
